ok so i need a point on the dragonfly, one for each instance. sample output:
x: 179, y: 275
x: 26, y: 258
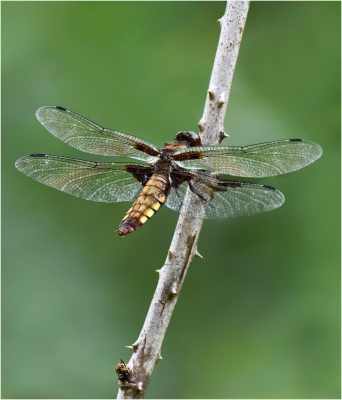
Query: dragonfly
x: 183, y: 175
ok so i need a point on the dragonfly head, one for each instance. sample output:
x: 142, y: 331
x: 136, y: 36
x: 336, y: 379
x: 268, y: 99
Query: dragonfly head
x: 191, y: 138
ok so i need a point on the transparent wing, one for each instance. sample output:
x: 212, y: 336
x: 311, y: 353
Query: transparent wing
x: 256, y: 161
x: 89, y: 137
x: 239, y: 198
x: 103, y: 182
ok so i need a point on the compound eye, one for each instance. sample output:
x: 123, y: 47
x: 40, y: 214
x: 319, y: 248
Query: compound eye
x: 187, y: 136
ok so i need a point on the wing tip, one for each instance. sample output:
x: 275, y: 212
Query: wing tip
x: 41, y: 111
x: 280, y: 198
x: 23, y: 161
x: 318, y: 151
x: 20, y: 163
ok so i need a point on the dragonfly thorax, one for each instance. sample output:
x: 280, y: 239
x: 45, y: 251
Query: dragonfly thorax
x: 165, y: 162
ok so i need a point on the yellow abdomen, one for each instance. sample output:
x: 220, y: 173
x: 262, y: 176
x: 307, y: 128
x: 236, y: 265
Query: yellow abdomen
x: 151, y: 198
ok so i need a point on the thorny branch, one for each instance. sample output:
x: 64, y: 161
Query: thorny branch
x: 146, y: 350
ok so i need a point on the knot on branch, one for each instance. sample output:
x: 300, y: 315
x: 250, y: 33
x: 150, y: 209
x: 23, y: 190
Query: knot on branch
x: 212, y: 93
x: 122, y: 370
x: 221, y: 100
x: 202, y: 124
x: 173, y: 289
x: 124, y: 373
x: 124, y: 385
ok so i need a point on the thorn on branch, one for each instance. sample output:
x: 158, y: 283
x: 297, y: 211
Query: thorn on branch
x: 222, y: 135
x: 135, y: 346
x: 197, y: 254
x: 129, y: 347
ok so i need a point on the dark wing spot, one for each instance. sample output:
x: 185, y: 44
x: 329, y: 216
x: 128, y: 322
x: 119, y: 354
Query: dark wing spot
x: 37, y: 155
x: 61, y: 108
x: 145, y: 149
x: 189, y: 155
x: 140, y: 173
x: 295, y: 140
x: 178, y: 177
x: 269, y: 187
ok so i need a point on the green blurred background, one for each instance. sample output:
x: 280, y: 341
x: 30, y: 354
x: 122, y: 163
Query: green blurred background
x: 259, y: 316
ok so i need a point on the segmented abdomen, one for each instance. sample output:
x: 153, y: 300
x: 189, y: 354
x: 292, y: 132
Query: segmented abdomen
x: 151, y: 198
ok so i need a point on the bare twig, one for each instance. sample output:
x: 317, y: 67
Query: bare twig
x: 146, y: 350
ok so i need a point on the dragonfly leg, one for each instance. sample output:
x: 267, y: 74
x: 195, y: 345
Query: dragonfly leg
x: 200, y: 195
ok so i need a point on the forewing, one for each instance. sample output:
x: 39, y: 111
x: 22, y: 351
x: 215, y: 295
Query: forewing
x: 89, y: 137
x: 256, y: 161
x: 103, y: 182
x: 239, y: 199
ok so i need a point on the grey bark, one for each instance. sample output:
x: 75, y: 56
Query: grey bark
x: 146, y: 350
